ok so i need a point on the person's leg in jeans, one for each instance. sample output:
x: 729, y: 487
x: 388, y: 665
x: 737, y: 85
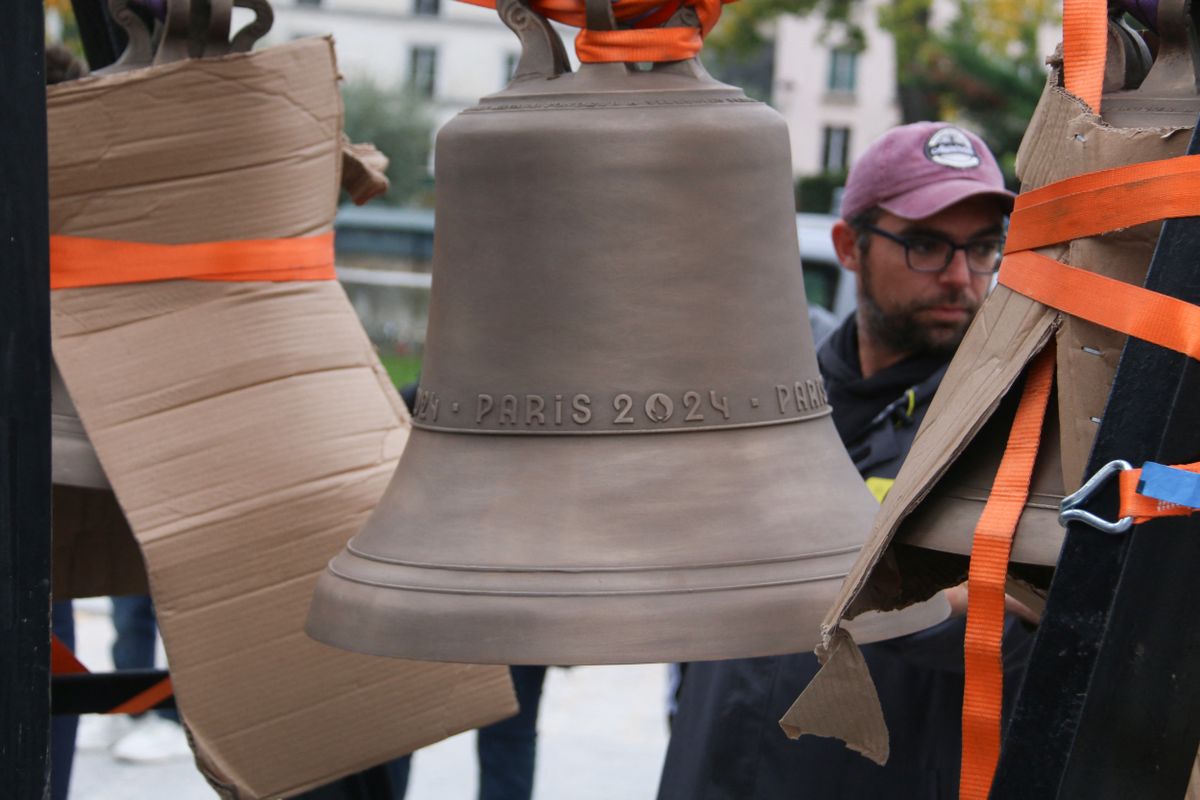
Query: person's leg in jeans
x: 388, y: 781
x: 397, y: 771
x: 133, y: 618
x: 62, y: 728
x: 508, y: 749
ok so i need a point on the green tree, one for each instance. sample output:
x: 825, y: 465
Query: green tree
x: 986, y: 70
x: 64, y: 13
x: 983, y: 68
x: 747, y: 25
x: 399, y: 124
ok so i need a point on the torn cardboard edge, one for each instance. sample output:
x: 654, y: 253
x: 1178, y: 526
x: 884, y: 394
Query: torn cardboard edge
x: 364, y: 171
x: 918, y: 475
x: 841, y: 702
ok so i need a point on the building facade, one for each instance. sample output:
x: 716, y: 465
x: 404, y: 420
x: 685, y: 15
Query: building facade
x: 835, y: 98
x: 450, y: 52
x: 836, y: 101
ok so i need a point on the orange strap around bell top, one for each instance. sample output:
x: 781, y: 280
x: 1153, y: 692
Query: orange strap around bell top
x: 654, y: 44
x: 1143, y: 508
x: 77, y: 261
x: 645, y: 42
x: 1106, y: 200
x: 64, y: 662
x: 984, y: 672
x: 1085, y: 44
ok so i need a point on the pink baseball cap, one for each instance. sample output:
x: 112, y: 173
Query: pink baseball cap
x: 914, y: 171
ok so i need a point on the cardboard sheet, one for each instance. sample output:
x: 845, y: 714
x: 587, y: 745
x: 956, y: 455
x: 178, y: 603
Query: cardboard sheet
x: 247, y: 429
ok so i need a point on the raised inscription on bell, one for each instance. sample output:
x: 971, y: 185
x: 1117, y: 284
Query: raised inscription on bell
x: 800, y: 396
x: 659, y: 407
x: 426, y: 406
x: 586, y: 412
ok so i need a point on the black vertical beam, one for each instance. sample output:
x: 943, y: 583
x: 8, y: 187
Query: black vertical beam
x: 1110, y: 704
x: 103, y: 40
x: 24, y: 406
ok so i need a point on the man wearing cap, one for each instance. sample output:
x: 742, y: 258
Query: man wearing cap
x: 922, y: 228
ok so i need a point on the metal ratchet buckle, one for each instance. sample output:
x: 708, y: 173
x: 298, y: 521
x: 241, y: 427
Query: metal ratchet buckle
x: 1069, y: 511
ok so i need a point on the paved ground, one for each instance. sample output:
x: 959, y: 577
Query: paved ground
x: 602, y: 737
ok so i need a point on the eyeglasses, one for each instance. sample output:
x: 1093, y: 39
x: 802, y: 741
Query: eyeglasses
x: 927, y: 252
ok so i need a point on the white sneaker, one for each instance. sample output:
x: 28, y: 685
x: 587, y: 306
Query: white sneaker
x: 98, y: 732
x: 153, y: 740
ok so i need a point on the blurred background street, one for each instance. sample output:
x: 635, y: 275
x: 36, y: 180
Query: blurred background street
x: 602, y: 735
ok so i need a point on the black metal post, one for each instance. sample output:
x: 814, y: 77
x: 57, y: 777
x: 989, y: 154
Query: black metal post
x: 103, y: 40
x: 24, y: 407
x: 1110, y: 705
x: 97, y: 692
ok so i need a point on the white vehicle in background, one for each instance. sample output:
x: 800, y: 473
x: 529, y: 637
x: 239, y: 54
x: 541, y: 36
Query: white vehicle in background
x: 828, y: 286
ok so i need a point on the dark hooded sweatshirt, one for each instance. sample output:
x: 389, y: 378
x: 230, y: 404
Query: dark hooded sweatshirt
x: 726, y: 743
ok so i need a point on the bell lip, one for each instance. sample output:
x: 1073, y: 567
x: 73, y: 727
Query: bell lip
x: 874, y: 626
x: 564, y: 582
x: 775, y: 483
x: 613, y: 629
x: 1034, y: 548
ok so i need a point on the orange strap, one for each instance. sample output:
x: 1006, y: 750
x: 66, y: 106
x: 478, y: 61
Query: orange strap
x: 76, y: 261
x: 1107, y: 200
x: 1095, y: 203
x: 1086, y: 205
x: 146, y: 699
x: 1085, y: 42
x: 984, y: 677
x: 64, y: 662
x: 1156, y: 318
x: 642, y: 39
x: 658, y: 44
x: 1143, y: 508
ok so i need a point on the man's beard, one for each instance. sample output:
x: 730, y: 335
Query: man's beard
x: 901, y: 331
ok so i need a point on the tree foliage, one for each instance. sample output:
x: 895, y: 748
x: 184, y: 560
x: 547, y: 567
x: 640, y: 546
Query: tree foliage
x: 399, y: 123
x: 986, y: 69
x: 744, y: 25
x: 982, y: 68
x: 63, y: 14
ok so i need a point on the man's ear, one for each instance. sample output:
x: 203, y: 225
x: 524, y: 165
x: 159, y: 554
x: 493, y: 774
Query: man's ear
x: 845, y: 244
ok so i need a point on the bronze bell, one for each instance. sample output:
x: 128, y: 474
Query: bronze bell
x: 622, y: 448
x: 951, y: 512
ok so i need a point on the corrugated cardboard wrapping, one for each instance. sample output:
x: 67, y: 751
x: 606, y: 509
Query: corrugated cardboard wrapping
x: 904, y: 562
x: 247, y: 428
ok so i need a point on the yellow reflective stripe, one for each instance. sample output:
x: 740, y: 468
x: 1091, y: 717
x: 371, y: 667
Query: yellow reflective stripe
x: 880, y: 487
x: 912, y: 404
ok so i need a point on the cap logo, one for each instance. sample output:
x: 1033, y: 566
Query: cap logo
x: 950, y: 147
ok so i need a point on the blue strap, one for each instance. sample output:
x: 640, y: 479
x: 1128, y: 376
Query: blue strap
x: 1170, y: 485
